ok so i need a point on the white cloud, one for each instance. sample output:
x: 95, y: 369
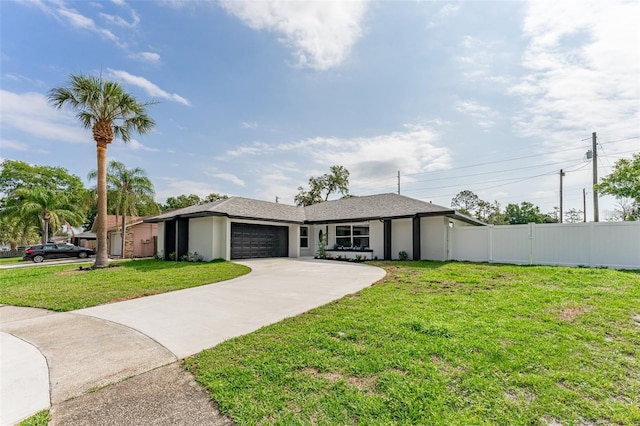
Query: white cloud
x: 249, y: 125
x: 173, y: 187
x: 370, y: 160
x: 70, y: 16
x: 19, y: 146
x: 150, y: 57
x: 320, y: 33
x: 228, y: 177
x: 149, y: 87
x: 22, y: 78
x: 581, y: 73
x: 120, y: 21
x: 446, y: 11
x: 32, y: 114
x: 483, y: 114
x: 136, y: 145
x: 477, y: 60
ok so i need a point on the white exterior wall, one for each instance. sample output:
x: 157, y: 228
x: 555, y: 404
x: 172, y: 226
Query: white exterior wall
x: 611, y: 244
x: 160, y: 247
x: 376, y: 239
x: 401, y: 237
x: 294, y: 240
x: 222, y: 238
x: 433, y: 238
x: 202, y: 236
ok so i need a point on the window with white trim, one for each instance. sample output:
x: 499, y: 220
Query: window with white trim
x: 304, y: 237
x: 352, y: 236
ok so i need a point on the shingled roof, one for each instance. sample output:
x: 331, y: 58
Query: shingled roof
x: 372, y: 207
x: 238, y: 208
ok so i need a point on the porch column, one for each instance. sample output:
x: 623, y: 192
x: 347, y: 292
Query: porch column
x: 416, y: 238
x: 387, y: 239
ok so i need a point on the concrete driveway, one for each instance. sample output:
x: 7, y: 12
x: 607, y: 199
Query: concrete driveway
x: 51, y: 357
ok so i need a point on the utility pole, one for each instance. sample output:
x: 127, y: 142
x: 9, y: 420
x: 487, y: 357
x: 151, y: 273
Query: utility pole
x: 595, y: 179
x: 398, y: 182
x: 584, y: 205
x: 561, y: 176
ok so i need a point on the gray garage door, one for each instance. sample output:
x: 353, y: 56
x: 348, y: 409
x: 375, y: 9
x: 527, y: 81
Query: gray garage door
x: 251, y: 241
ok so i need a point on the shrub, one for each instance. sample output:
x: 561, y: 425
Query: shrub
x: 403, y: 255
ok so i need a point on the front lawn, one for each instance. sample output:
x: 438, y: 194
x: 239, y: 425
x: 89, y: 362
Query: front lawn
x: 444, y: 344
x: 65, y: 288
x: 10, y: 260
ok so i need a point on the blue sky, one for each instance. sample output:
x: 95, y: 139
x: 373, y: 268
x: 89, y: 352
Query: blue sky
x: 256, y: 97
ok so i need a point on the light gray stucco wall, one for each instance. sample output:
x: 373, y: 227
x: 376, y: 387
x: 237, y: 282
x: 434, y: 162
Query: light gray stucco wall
x: 401, y: 237
x: 202, y: 236
x: 433, y: 238
x: 376, y: 238
x: 160, y: 247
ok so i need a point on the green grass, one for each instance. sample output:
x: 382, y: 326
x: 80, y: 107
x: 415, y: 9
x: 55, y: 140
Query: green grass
x: 41, y: 418
x: 444, y: 344
x: 10, y: 260
x: 65, y: 288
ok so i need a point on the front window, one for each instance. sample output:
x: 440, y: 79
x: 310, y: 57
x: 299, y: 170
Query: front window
x: 352, y: 236
x: 304, y: 236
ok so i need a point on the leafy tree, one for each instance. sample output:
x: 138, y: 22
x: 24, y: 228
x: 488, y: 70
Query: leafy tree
x: 624, y: 184
x: 181, y: 201
x: 573, y: 216
x: 321, y: 187
x: 214, y: 197
x: 16, y: 174
x: 127, y: 189
x: 466, y: 202
x: 14, y: 231
x: 110, y: 112
x: 625, y: 210
x: 50, y: 208
x: 526, y: 212
x: 496, y: 217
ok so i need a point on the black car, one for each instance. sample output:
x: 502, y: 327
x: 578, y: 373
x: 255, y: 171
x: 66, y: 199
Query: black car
x: 55, y: 251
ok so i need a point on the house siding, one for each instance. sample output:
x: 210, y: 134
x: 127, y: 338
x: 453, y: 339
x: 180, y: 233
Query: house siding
x: 202, y: 237
x: 160, y: 245
x: 376, y: 238
x: 401, y: 237
x: 433, y: 238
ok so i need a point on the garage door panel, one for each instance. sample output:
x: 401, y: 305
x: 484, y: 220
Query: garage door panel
x: 258, y: 241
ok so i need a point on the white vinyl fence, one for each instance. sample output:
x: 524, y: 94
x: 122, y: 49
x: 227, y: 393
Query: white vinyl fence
x: 610, y: 244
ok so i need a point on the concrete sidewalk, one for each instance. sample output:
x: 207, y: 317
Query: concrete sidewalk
x: 93, y: 347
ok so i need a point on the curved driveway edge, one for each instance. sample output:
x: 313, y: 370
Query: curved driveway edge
x: 24, y: 382
x: 188, y: 321
x: 97, y: 346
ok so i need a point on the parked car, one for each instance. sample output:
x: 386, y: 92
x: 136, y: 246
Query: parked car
x: 41, y: 252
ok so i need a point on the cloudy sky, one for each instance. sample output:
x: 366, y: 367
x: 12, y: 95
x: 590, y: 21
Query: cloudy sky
x: 256, y: 97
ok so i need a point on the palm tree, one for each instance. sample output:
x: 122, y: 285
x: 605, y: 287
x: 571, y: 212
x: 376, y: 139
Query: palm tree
x: 49, y: 208
x: 127, y: 188
x: 110, y: 112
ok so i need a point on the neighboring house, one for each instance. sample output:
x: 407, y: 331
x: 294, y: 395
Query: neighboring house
x: 140, y: 241
x: 380, y: 226
x: 85, y: 239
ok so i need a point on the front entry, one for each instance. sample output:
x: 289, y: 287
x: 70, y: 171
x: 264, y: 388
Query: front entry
x: 257, y: 241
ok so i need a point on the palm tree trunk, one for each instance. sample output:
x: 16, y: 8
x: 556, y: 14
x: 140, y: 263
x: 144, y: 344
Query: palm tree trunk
x: 45, y: 231
x: 102, y: 259
x: 124, y: 233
